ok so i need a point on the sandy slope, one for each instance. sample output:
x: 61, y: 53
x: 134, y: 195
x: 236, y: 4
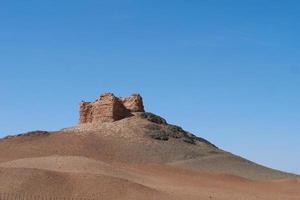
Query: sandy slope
x: 47, y: 183
x: 120, y: 161
x: 78, y: 176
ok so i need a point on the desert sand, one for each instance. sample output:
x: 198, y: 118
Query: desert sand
x: 132, y: 159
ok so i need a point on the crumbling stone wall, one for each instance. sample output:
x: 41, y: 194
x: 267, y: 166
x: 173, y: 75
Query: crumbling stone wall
x: 133, y: 103
x: 109, y: 108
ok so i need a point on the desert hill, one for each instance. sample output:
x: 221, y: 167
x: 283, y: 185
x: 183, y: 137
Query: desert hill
x: 119, y: 151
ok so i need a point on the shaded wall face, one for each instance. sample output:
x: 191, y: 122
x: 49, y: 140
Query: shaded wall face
x: 133, y: 103
x: 120, y: 111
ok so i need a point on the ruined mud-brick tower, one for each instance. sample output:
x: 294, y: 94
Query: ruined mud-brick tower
x: 109, y: 108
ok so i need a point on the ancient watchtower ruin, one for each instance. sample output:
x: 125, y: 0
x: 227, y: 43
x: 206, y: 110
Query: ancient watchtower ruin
x: 109, y: 108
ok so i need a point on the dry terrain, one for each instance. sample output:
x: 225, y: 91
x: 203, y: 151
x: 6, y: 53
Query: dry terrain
x: 140, y: 157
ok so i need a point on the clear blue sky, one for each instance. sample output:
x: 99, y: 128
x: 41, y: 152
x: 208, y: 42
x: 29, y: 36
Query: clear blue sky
x: 227, y: 70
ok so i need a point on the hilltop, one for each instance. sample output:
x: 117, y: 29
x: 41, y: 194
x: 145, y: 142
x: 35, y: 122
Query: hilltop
x: 119, y: 151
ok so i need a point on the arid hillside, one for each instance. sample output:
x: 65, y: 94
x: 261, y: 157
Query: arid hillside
x: 138, y: 157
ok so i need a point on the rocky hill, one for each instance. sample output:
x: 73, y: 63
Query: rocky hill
x: 119, y: 151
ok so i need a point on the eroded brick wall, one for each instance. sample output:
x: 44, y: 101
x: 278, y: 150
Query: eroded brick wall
x: 109, y: 108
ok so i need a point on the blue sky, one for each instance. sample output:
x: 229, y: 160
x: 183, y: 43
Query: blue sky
x: 226, y: 70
